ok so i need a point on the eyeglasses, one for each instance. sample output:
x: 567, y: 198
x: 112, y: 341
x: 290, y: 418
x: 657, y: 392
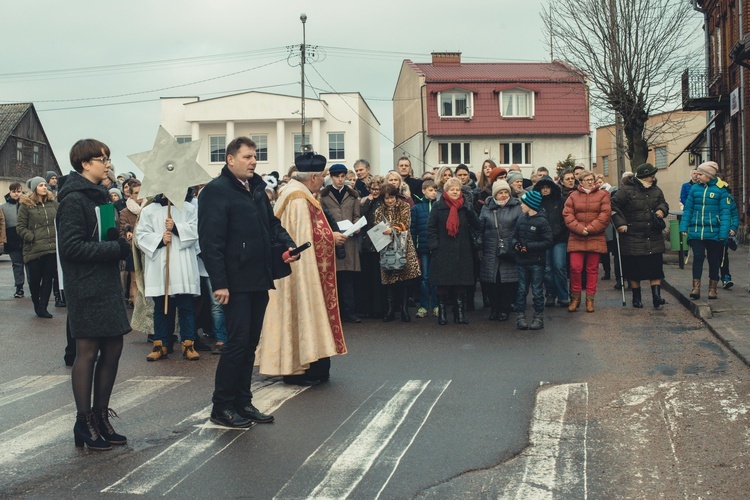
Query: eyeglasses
x: 103, y: 159
x: 588, y: 179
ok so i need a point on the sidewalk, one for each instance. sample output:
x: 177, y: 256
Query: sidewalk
x: 728, y: 317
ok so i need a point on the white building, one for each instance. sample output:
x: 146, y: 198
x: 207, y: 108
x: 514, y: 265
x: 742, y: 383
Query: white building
x: 339, y: 126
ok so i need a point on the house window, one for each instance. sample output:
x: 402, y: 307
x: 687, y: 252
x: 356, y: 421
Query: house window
x: 36, y: 155
x: 261, y: 150
x: 517, y: 104
x: 218, y: 148
x: 453, y: 153
x: 182, y: 139
x: 605, y: 164
x: 336, y: 146
x: 455, y: 104
x: 298, y: 142
x: 518, y: 153
x: 19, y: 150
x: 660, y: 157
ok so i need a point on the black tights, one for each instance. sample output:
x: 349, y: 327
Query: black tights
x: 101, y: 373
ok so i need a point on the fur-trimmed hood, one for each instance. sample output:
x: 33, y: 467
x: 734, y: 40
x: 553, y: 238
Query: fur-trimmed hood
x: 352, y: 192
x: 547, y: 181
x: 26, y: 199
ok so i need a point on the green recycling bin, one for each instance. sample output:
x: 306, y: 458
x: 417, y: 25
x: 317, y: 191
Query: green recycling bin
x: 674, y: 236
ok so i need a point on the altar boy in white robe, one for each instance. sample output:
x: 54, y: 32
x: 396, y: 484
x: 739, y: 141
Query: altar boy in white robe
x: 155, y: 236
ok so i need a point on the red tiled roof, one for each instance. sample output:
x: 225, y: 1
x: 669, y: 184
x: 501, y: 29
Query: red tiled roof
x: 561, y: 105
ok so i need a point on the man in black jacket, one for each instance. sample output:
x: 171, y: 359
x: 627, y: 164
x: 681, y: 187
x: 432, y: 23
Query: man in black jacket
x: 237, y: 227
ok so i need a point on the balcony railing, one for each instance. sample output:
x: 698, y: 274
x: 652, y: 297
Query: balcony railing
x: 703, y: 90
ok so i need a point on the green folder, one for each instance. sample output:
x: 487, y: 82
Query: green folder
x: 105, y: 219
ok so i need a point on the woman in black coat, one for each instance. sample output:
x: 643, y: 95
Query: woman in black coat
x: 97, y: 317
x: 450, y: 230
x: 638, y: 207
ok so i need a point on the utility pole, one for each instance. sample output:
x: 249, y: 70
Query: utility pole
x: 616, y: 63
x: 303, y: 18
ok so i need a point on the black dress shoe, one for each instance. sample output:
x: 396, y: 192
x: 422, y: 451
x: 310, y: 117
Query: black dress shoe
x: 230, y: 418
x: 253, y: 414
x: 301, y: 380
x: 351, y: 319
x: 198, y: 345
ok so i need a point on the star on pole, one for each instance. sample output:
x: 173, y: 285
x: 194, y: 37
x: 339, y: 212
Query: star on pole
x: 170, y: 168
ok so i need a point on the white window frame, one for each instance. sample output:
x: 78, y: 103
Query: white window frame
x: 37, y: 150
x: 261, y: 151
x: 605, y: 165
x: 342, y: 143
x: 660, y: 151
x: 517, y: 93
x: 526, y: 147
x: 453, y: 94
x: 222, y: 151
x: 464, y: 153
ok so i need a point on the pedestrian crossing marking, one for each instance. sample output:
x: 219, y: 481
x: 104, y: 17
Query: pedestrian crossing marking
x: 30, y: 385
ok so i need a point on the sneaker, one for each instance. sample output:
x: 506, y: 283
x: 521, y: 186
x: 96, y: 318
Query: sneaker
x: 563, y: 303
x: 199, y: 345
x: 421, y: 312
x: 158, y: 352
x: 549, y: 301
x: 217, y: 348
x: 727, y: 282
x: 18, y: 294
x: 436, y: 310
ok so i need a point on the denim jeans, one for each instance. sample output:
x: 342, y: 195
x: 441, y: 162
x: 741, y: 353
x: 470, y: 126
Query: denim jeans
x: 16, y: 258
x: 164, y: 323
x: 555, y: 273
x: 702, y: 249
x: 530, y: 276
x: 217, y: 313
x: 428, y: 294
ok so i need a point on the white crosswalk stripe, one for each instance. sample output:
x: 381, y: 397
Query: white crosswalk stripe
x: 24, y: 387
x: 164, y: 472
x: 24, y: 442
x: 369, y: 444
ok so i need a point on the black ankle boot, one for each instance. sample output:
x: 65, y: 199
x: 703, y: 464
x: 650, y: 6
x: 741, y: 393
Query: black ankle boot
x: 390, y: 313
x: 405, y: 308
x: 494, y: 314
x: 637, y: 298
x: 656, y: 295
x: 86, y: 431
x: 60, y: 299
x: 460, y: 311
x: 442, y: 319
x: 105, y: 427
x: 41, y: 311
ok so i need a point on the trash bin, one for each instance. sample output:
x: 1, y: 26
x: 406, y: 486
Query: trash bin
x: 674, y: 236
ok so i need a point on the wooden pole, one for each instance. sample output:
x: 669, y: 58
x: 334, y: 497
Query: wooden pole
x: 166, y: 270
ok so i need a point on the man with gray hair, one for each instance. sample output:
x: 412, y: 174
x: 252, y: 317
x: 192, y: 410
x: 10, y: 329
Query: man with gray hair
x: 362, y: 171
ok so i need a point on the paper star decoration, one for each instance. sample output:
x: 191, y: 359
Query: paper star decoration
x: 170, y: 168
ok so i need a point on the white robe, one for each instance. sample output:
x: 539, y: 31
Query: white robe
x: 183, y: 250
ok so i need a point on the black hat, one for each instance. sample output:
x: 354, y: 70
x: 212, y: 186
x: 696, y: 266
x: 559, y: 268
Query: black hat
x: 645, y: 170
x: 310, y: 162
x: 337, y: 168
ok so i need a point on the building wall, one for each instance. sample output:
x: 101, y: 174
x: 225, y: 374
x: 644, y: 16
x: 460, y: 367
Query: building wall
x: 408, y: 112
x: 30, y: 131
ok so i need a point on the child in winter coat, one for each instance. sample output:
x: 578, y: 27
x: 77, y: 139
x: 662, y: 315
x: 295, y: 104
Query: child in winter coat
x: 531, y: 240
x: 420, y: 214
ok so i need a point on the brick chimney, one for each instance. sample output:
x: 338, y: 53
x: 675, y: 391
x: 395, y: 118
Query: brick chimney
x: 446, y: 58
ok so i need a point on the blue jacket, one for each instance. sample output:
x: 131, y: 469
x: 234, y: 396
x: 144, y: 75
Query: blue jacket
x: 420, y: 214
x: 707, y: 214
x: 685, y: 190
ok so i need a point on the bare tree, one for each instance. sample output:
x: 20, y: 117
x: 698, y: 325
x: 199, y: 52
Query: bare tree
x: 632, y: 52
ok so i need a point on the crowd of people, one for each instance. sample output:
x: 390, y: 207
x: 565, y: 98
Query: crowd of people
x: 219, y: 260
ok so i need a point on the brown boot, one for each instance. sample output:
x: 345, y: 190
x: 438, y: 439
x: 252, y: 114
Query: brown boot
x: 695, y: 293
x: 158, y: 352
x: 589, y: 302
x: 189, y: 352
x: 712, y: 284
x: 575, y: 301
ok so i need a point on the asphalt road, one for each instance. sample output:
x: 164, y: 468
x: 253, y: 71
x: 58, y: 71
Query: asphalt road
x: 620, y: 403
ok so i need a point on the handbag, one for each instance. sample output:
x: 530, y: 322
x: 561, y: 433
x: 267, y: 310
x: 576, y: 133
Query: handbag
x: 503, y: 249
x: 393, y: 257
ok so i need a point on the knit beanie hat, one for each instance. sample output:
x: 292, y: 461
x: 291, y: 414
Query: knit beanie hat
x: 495, y: 173
x: 498, y: 186
x: 710, y: 168
x: 34, y: 182
x: 116, y: 191
x: 50, y: 174
x: 514, y: 175
x: 532, y: 198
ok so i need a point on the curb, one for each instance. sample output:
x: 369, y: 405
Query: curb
x: 703, y: 312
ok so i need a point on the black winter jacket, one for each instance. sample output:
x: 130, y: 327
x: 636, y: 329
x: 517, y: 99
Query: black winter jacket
x: 236, y: 228
x: 553, y: 205
x: 451, y: 261
x: 633, y: 206
x: 535, y: 234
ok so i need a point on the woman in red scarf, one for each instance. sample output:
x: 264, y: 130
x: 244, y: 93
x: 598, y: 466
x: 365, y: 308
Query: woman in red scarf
x: 450, y: 231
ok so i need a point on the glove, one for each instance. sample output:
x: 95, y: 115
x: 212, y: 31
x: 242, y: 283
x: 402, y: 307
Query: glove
x: 124, y: 248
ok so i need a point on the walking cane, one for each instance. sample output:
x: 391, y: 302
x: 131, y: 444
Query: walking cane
x: 619, y: 259
x: 166, y: 270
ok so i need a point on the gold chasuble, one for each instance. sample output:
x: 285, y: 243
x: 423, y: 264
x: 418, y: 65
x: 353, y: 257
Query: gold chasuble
x: 302, y: 322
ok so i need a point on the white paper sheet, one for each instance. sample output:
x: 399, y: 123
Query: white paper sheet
x: 353, y: 228
x: 379, y: 240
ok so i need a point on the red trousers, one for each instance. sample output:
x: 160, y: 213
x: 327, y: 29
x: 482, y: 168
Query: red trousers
x: 577, y: 261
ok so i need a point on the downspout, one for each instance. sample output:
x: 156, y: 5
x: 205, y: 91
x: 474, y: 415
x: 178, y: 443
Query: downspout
x: 742, y: 115
x: 422, y: 93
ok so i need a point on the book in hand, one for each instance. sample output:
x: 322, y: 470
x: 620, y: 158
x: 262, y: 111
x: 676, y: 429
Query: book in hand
x: 106, y: 219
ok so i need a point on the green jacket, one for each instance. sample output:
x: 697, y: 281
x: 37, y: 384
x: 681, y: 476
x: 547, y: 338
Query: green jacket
x: 36, y: 227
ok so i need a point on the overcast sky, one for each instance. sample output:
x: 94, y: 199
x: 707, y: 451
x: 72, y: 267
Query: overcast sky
x: 85, y: 64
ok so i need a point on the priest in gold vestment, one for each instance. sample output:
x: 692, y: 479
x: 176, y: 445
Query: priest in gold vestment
x: 302, y: 327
